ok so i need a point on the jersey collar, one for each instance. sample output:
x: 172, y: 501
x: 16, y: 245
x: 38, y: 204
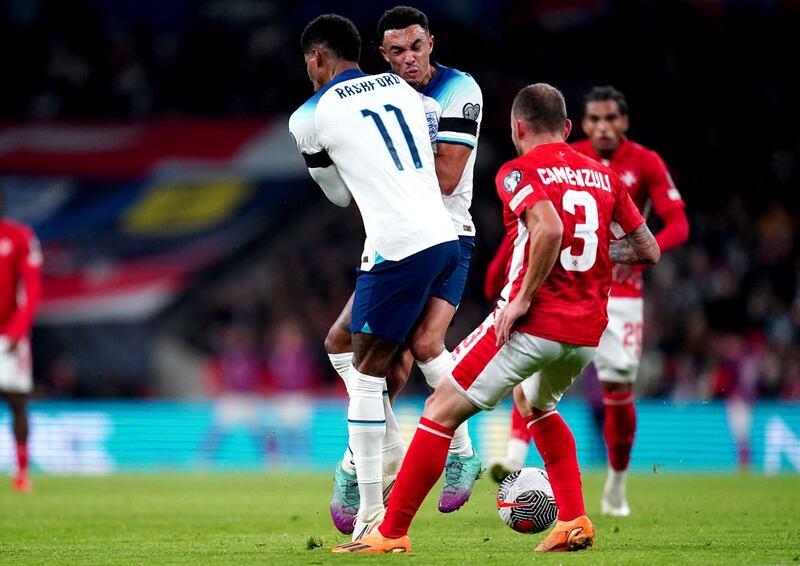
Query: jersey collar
x: 436, y: 79
x: 341, y: 77
x: 621, y: 150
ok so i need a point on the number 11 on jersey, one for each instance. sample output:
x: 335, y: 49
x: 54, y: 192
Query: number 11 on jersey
x: 387, y: 139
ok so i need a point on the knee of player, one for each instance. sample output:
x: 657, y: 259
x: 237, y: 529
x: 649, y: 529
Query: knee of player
x: 521, y: 401
x: 426, y: 347
x: 337, y: 341
x: 432, y: 408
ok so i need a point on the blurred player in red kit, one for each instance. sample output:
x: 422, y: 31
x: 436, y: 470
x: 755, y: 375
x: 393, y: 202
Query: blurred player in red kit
x: 558, y: 209
x: 642, y: 171
x: 20, y: 288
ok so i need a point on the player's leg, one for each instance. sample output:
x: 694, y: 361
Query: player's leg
x: 537, y: 398
x: 345, y: 500
x: 16, y: 384
x: 337, y: 342
x: 519, y: 440
x: 427, y: 344
x: 617, y: 362
x: 18, y: 403
x: 463, y: 464
x: 420, y: 471
x: 366, y: 420
x: 393, y: 447
x: 388, y: 300
x: 740, y: 418
x: 484, y: 373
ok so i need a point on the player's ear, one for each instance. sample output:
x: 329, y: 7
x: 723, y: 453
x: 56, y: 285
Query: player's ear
x: 383, y: 53
x: 625, y: 123
x: 430, y: 44
x: 567, y: 128
x: 319, y: 57
x: 517, y: 128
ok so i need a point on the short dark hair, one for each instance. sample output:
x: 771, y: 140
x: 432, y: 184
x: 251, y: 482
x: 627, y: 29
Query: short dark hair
x: 334, y: 33
x: 541, y: 106
x: 603, y: 93
x: 400, y: 17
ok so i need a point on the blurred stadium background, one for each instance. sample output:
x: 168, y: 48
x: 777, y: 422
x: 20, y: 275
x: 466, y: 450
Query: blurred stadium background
x: 188, y: 255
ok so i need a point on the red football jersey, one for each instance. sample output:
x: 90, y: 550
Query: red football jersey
x: 20, y: 279
x: 647, y: 180
x: 570, y: 306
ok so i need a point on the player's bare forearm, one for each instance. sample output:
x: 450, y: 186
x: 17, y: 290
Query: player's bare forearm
x: 450, y: 161
x: 546, y: 233
x: 638, y: 247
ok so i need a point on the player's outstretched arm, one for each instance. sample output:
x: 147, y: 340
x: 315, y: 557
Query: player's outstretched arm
x: 639, y: 246
x: 332, y: 184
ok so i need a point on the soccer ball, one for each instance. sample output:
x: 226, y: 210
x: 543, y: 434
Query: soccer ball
x: 525, y: 501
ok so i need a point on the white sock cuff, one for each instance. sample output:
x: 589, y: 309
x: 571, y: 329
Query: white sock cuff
x: 368, y: 385
x: 435, y: 368
x: 617, y: 475
x: 341, y: 363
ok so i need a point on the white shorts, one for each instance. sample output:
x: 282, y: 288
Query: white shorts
x: 15, y: 368
x: 484, y: 373
x: 620, y: 349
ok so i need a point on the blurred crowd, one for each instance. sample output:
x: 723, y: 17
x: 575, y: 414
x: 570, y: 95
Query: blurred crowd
x: 722, y: 312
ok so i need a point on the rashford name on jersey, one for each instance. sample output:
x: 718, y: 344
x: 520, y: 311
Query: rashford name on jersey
x: 366, y: 86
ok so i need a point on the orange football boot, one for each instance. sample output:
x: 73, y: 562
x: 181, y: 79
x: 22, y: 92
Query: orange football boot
x: 577, y: 534
x: 375, y: 543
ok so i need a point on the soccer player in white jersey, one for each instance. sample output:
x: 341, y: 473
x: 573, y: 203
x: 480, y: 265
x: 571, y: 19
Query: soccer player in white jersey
x: 453, y: 104
x: 366, y: 136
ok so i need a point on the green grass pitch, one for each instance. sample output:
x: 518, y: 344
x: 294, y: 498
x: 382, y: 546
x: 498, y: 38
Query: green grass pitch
x: 281, y: 519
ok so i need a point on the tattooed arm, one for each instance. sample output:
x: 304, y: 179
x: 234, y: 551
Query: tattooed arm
x: 639, y: 246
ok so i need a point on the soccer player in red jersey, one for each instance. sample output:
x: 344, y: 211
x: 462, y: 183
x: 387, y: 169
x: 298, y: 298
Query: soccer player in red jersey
x: 20, y: 288
x: 642, y: 171
x: 558, y: 207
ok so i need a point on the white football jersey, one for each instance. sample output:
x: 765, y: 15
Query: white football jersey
x: 372, y: 128
x: 454, y: 109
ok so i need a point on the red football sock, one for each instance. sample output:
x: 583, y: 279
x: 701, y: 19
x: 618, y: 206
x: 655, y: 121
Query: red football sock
x: 518, y: 428
x: 22, y: 457
x: 619, y: 428
x: 556, y: 444
x: 420, y: 471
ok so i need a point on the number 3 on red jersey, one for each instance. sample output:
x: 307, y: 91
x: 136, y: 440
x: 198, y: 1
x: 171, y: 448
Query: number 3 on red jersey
x: 586, y: 231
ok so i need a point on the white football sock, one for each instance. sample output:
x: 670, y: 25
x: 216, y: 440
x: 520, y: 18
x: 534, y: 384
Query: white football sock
x: 341, y: 363
x: 615, y: 482
x: 433, y: 370
x: 393, y: 448
x: 367, y: 425
x: 517, y: 452
x: 348, y: 461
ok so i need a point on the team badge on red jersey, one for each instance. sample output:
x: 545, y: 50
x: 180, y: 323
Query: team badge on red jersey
x: 512, y: 180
